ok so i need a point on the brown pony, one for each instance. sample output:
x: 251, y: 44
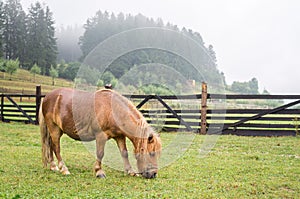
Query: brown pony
x: 97, y: 116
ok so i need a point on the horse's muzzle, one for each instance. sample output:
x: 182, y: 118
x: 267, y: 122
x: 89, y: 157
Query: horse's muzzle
x: 149, y: 174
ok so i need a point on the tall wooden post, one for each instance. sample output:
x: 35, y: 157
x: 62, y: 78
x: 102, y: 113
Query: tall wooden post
x: 203, y: 108
x: 2, y: 108
x: 38, y: 94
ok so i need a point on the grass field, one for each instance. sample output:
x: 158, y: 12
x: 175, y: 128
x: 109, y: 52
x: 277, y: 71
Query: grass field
x: 237, y: 167
x: 23, y: 82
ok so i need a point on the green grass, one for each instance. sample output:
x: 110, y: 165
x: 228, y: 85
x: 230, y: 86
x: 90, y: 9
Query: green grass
x: 237, y: 167
x: 23, y: 82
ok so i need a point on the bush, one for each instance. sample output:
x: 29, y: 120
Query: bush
x: 35, y: 70
x: 69, y: 71
x: 12, y: 66
x: 2, y: 65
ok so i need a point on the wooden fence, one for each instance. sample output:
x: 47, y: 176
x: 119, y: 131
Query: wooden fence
x: 202, y: 113
x: 278, y: 121
x: 10, y: 110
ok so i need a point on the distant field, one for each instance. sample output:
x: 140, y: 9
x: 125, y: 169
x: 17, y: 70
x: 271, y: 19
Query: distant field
x: 23, y: 82
x: 237, y: 167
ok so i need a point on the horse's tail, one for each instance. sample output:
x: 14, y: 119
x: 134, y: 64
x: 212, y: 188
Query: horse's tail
x: 45, y: 138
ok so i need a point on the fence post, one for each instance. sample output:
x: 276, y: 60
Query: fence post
x: 38, y: 94
x: 203, y: 108
x: 2, y: 107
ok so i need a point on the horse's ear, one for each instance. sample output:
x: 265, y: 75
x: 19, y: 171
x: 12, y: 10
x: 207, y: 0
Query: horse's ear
x: 150, y: 138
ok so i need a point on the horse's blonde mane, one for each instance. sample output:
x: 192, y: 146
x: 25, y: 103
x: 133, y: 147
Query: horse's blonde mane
x: 145, y: 130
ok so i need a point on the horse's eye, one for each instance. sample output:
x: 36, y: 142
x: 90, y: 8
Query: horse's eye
x: 152, y: 154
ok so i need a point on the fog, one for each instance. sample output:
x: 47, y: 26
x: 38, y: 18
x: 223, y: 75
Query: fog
x: 252, y: 38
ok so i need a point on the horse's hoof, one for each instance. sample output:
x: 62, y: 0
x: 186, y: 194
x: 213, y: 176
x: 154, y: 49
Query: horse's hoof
x: 101, y: 175
x: 54, y: 168
x: 66, y: 172
x: 130, y: 172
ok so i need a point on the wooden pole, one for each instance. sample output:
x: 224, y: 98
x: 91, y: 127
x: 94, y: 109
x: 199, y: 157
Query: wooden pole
x: 2, y: 107
x: 38, y: 94
x: 203, y: 108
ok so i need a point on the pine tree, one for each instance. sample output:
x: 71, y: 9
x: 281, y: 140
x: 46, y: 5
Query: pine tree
x: 212, y: 55
x: 14, y: 30
x: 253, y: 85
x: 50, y: 42
x: 94, y: 33
x: 1, y: 28
x: 36, y: 36
x: 21, y: 38
x: 67, y: 43
x: 41, y: 41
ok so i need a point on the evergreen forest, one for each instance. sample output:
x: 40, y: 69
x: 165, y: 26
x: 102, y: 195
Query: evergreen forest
x: 35, y: 43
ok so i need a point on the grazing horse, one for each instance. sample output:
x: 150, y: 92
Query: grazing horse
x: 98, y: 116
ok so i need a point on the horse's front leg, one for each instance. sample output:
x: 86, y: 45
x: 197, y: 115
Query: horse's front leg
x: 101, y: 139
x: 121, y: 141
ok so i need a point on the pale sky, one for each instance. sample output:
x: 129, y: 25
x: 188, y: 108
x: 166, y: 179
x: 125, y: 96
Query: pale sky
x: 252, y: 38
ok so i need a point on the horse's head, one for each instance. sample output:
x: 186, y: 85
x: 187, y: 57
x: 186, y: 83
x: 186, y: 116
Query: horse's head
x: 147, y: 156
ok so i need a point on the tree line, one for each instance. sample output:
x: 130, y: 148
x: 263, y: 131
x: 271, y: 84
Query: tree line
x: 28, y: 37
x: 104, y: 24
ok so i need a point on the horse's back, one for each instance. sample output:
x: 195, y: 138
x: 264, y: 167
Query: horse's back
x: 72, y: 111
x: 82, y: 114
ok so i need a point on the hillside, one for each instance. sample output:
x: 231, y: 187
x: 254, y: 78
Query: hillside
x: 23, y: 82
x: 128, y: 42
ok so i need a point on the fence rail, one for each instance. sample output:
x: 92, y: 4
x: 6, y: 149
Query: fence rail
x: 10, y: 110
x: 202, y: 116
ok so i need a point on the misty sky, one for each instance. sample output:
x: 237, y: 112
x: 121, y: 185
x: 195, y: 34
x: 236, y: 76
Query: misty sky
x: 252, y: 38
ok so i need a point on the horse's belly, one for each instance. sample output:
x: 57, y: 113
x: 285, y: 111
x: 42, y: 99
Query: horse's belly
x: 82, y: 134
x: 82, y: 137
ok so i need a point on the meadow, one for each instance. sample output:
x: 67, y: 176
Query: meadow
x: 237, y: 167
x: 23, y: 82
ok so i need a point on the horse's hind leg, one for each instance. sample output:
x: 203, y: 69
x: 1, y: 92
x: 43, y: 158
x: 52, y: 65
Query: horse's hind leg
x: 101, y: 139
x: 53, y: 166
x: 121, y: 141
x: 56, y: 134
